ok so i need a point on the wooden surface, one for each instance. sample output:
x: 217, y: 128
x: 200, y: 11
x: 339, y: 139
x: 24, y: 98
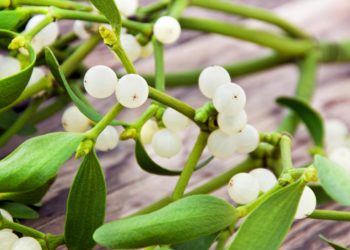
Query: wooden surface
x: 130, y: 189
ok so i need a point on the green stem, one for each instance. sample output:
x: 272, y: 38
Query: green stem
x: 159, y: 65
x: 37, y: 28
x: 335, y: 51
x: 64, y: 40
x: 330, y: 215
x: 64, y: 4
x: 21, y: 228
x: 148, y: 114
x: 286, y: 152
x: 251, y: 12
x: 190, y: 165
x: 142, y: 12
x: 222, y: 239
x: 177, y: 7
x: 282, y: 44
x: 127, y: 63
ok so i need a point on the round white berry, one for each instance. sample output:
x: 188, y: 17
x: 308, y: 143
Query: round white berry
x: 108, y: 139
x: 147, y: 131
x: 243, y: 188
x: 211, y: 78
x: 167, y: 29
x: 146, y: 50
x: 7, y: 239
x: 166, y: 143
x: 75, y: 121
x: 100, y: 81
x: 132, y: 91
x: 174, y: 120
x: 265, y: 178
x: 9, y: 66
x: 341, y: 156
x: 307, y: 203
x: 26, y: 243
x: 336, y: 132
x: 131, y: 46
x: 247, y: 140
x: 79, y: 28
x: 221, y: 145
x: 229, y: 99
x: 37, y: 74
x: 127, y: 7
x: 232, y: 124
x: 8, y: 217
x: 47, y: 35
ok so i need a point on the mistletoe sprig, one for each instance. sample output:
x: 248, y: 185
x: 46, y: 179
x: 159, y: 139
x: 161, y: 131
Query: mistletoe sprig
x: 268, y: 190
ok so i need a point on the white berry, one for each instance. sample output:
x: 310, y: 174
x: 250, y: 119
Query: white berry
x: 229, y: 99
x: 127, y: 7
x: 265, y: 178
x: 336, y: 132
x: 307, y: 203
x: 341, y: 156
x: 37, y: 74
x: 108, y: 139
x: 75, y: 121
x: 131, y: 46
x: 100, y: 81
x: 147, y: 131
x: 7, y: 239
x: 47, y: 35
x: 174, y: 120
x: 146, y: 50
x: 167, y: 30
x: 247, y: 140
x: 166, y: 143
x: 221, y: 145
x: 9, y: 66
x: 79, y: 28
x: 243, y: 188
x: 211, y: 78
x: 232, y: 124
x: 132, y: 91
x: 26, y: 243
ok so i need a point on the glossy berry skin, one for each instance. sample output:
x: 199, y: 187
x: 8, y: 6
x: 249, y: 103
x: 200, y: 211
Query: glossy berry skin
x: 131, y: 46
x: 166, y: 143
x: 26, y: 243
x: 79, y: 28
x: 247, y: 140
x: 75, y: 121
x: 9, y: 66
x: 147, y: 131
x: 174, y: 120
x: 221, y: 145
x: 132, y: 91
x: 335, y: 133
x: 232, y: 124
x: 8, y: 217
x: 265, y: 178
x: 243, y: 188
x: 100, y: 81
x: 147, y: 50
x: 108, y: 139
x: 7, y: 239
x: 307, y: 204
x: 167, y: 30
x: 229, y: 99
x: 127, y: 7
x: 211, y: 78
x: 341, y: 156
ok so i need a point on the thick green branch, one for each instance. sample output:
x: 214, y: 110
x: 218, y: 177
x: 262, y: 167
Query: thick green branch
x: 57, y: 3
x: 330, y: 215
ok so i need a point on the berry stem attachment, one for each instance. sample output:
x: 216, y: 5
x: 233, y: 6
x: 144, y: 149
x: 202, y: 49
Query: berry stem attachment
x: 38, y: 27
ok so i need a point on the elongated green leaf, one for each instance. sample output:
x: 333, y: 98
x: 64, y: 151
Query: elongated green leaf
x: 19, y: 211
x: 7, y: 119
x: 12, y: 86
x: 269, y: 223
x: 333, y: 244
x: 334, y: 179
x: 203, y: 243
x: 186, y: 219
x: 36, y: 161
x: 11, y: 19
x: 86, y: 204
x: 308, y: 115
x: 110, y: 10
x: 147, y: 164
x: 86, y: 109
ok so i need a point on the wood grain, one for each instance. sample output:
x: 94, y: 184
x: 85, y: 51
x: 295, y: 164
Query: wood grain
x: 130, y: 189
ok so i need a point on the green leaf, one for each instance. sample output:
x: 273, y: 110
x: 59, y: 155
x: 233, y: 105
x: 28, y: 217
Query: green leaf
x: 86, y: 109
x: 148, y: 165
x: 7, y: 119
x: 334, y: 179
x: 183, y: 220
x: 308, y: 115
x: 12, y: 19
x: 110, y: 10
x: 333, y: 244
x: 321, y: 196
x: 86, y: 204
x: 36, y: 161
x: 12, y: 86
x: 202, y: 243
x: 19, y: 211
x: 269, y: 223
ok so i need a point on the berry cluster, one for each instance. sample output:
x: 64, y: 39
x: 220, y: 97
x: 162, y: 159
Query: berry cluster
x: 10, y: 240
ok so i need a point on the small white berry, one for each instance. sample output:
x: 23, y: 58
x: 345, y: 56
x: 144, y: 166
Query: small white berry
x: 335, y: 133
x: 229, y: 99
x: 147, y: 131
x: 341, y: 156
x: 26, y: 243
x: 265, y: 178
x: 7, y: 239
x: 100, y: 81
x: 221, y: 145
x: 131, y: 46
x: 47, y: 35
x: 37, y: 74
x: 211, y: 78
x: 75, y: 121
x: 167, y: 30
x: 9, y: 66
x: 174, y: 120
x: 243, y: 188
x: 166, y: 143
x: 247, y: 140
x: 307, y: 203
x: 232, y: 124
x: 79, y: 28
x: 132, y: 91
x: 146, y: 50
x: 108, y: 139
x: 127, y: 7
